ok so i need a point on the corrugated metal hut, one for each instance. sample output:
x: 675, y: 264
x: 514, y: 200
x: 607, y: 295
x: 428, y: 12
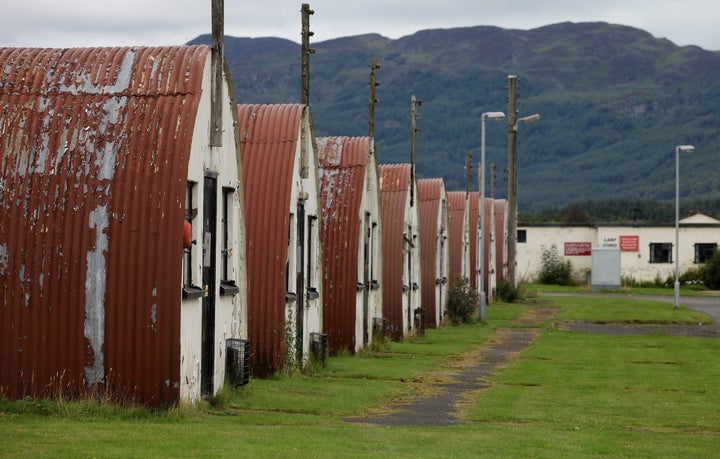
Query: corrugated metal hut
x: 433, y: 211
x: 105, y: 154
x: 501, y: 237
x: 284, y: 256
x: 350, y: 229
x: 401, y: 279
x: 492, y: 252
x: 458, y: 234
x: 487, y: 268
x: 474, y: 226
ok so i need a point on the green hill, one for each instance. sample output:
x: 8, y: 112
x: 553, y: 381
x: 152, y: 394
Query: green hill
x: 614, y: 102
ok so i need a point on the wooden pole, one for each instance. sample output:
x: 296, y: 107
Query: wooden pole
x: 373, y: 100
x: 512, y: 184
x: 413, y: 130
x: 468, y: 167
x: 216, y: 87
x: 306, y: 51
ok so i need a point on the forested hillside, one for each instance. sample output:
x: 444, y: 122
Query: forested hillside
x: 614, y: 102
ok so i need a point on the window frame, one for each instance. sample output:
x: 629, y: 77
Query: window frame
x: 228, y: 285
x: 663, y: 248
x: 706, y: 248
x: 189, y: 289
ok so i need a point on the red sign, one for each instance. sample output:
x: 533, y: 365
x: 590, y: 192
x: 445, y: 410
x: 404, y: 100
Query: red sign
x: 578, y: 249
x: 629, y: 243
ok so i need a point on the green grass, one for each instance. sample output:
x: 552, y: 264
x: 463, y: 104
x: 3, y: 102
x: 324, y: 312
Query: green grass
x: 685, y: 290
x: 611, y: 390
x: 621, y: 309
x: 569, y: 395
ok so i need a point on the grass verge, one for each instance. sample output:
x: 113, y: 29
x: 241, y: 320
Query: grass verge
x: 569, y: 395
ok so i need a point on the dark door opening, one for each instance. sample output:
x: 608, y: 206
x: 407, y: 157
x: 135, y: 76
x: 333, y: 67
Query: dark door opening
x: 300, y: 285
x: 366, y: 277
x: 207, y: 362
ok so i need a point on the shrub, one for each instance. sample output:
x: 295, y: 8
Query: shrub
x: 508, y: 293
x: 463, y: 302
x: 691, y: 276
x: 710, y: 273
x: 553, y: 269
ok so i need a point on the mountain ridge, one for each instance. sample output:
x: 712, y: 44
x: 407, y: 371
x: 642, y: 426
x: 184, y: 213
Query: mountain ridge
x: 614, y: 102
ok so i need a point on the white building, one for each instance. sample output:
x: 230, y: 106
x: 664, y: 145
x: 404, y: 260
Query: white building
x: 647, y: 252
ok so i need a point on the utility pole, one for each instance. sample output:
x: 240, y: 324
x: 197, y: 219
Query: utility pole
x: 468, y: 167
x: 414, y: 103
x: 512, y: 184
x: 306, y: 51
x: 373, y: 100
x: 492, y: 181
x: 217, y: 65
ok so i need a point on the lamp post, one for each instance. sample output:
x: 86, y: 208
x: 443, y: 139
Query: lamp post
x: 678, y: 149
x: 496, y: 116
x: 512, y: 198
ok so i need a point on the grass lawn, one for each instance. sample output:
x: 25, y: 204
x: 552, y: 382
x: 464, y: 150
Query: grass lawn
x: 570, y: 394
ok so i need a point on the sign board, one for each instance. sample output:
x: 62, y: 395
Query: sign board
x: 629, y: 243
x: 578, y: 249
x: 609, y: 242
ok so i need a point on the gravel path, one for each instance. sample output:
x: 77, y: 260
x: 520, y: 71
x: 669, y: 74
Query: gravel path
x: 441, y: 408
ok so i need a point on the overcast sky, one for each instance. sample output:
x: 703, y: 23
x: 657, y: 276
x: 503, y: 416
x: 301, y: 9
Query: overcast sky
x: 75, y: 23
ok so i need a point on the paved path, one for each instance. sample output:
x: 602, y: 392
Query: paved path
x: 441, y: 408
x: 705, y: 304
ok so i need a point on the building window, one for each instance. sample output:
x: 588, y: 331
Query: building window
x: 190, y: 290
x: 704, y: 252
x: 228, y: 286
x: 312, y: 291
x: 522, y: 236
x: 661, y: 252
x: 290, y: 279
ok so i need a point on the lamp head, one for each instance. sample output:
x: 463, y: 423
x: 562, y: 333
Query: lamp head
x: 685, y: 148
x: 530, y: 118
x: 493, y: 115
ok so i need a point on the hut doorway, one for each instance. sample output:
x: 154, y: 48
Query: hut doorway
x: 209, y: 275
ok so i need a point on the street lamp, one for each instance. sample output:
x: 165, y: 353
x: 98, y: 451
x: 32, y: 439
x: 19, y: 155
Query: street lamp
x: 495, y: 116
x: 678, y: 149
x: 512, y: 198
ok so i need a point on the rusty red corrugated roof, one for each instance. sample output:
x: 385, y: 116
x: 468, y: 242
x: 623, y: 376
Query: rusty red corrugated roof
x: 94, y: 155
x: 394, y: 188
x: 269, y: 138
x: 457, y: 209
x: 431, y: 199
x: 343, y: 167
x: 474, y: 217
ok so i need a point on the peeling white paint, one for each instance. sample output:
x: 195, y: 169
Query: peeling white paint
x: 83, y: 82
x: 95, y: 284
x: 3, y: 259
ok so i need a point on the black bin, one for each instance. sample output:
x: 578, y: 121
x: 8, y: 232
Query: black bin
x: 237, y: 361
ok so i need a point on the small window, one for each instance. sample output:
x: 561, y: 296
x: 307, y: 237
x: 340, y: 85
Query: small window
x: 522, y: 236
x: 190, y: 290
x: 661, y: 252
x: 228, y: 286
x: 312, y: 290
x: 704, y: 252
x: 290, y: 279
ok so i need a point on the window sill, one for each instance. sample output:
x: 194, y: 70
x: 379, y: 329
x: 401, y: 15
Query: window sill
x: 191, y: 291
x: 229, y: 288
x: 312, y: 293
